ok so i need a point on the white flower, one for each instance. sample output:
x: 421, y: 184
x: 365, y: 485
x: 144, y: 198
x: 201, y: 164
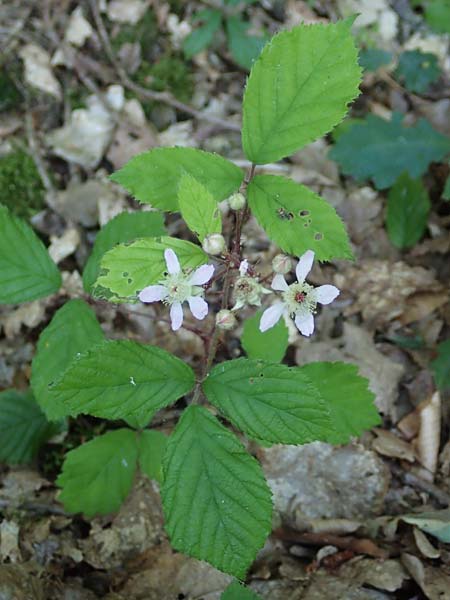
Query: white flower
x: 299, y: 299
x: 247, y: 290
x: 178, y: 287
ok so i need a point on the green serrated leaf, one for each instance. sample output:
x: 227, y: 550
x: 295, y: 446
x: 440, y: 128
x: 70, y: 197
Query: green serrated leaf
x: 97, y: 477
x: 408, y: 208
x: 153, y: 177
x: 152, y: 445
x: 418, y: 70
x: 270, y: 345
x: 129, y: 268
x: 216, y: 501
x: 374, y: 58
x: 73, y: 330
x: 245, y: 48
x: 299, y: 89
x: 236, y: 591
x: 125, y: 227
x: 440, y: 366
x: 23, y: 427
x: 297, y: 219
x: 117, y: 379
x: 347, y: 396
x: 26, y: 270
x: 275, y: 403
x: 198, y: 208
x: 203, y: 36
x: 383, y: 150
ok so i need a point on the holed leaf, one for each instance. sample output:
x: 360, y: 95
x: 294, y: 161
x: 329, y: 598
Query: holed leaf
x: 125, y: 227
x: 216, y: 501
x: 129, y: 268
x: 297, y: 219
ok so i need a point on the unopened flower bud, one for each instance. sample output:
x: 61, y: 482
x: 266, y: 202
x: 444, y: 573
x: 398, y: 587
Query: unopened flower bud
x: 225, y: 319
x: 282, y: 264
x: 237, y: 201
x: 214, y: 244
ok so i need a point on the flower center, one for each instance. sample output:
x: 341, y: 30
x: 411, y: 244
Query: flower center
x: 300, y: 299
x: 178, y: 287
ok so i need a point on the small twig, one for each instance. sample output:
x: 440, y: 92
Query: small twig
x: 148, y: 94
x: 421, y: 484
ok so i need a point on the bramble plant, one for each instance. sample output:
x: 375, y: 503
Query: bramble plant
x: 216, y: 502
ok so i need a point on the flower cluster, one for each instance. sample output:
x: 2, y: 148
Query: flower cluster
x: 298, y: 300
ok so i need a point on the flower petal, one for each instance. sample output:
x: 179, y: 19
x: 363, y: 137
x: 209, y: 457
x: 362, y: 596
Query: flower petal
x: 198, y: 306
x: 176, y: 315
x: 305, y: 324
x: 243, y: 268
x: 279, y: 283
x: 173, y: 266
x: 271, y: 316
x: 326, y: 294
x: 201, y: 275
x: 153, y: 293
x: 304, y: 265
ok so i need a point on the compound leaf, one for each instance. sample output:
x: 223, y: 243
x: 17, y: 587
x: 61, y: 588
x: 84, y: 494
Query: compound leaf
x: 270, y: 345
x: 152, y: 445
x: 297, y: 219
x: 73, y: 330
x: 383, y: 150
x: 125, y: 227
x: 153, y: 177
x: 26, y: 270
x: 117, y: 379
x: 23, y: 427
x: 408, y: 207
x: 97, y: 476
x: 129, y: 268
x: 198, y: 208
x: 216, y: 501
x: 299, y: 89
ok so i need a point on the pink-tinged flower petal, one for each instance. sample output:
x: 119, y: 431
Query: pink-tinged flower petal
x: 176, y: 315
x: 271, y: 316
x: 201, y: 275
x: 326, y: 294
x: 198, y: 306
x: 243, y: 268
x: 305, y: 324
x: 173, y: 266
x: 153, y: 293
x: 304, y: 265
x: 279, y: 283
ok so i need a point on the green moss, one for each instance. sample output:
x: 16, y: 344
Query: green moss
x: 169, y: 73
x: 21, y: 188
x: 145, y: 32
x: 9, y: 94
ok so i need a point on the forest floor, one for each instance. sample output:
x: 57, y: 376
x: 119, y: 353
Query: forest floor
x: 351, y: 522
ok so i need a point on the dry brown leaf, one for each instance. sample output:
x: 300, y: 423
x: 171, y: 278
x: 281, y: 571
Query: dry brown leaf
x: 434, y: 581
x: 388, y: 444
x: 429, y: 433
x: 424, y: 545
